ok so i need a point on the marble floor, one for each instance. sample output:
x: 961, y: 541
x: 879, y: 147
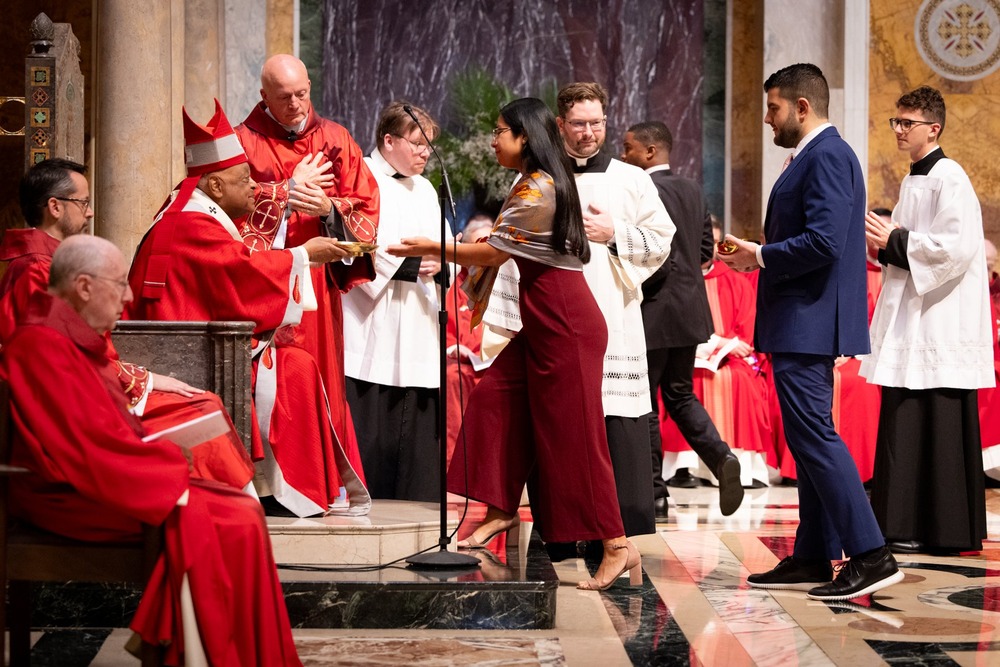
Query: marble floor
x: 694, y: 608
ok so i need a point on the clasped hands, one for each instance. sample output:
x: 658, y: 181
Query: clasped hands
x: 312, y: 177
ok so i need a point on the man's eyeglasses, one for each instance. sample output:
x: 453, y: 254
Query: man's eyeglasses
x: 84, y: 203
x: 581, y: 125
x: 905, y: 124
x: 122, y: 284
x: 418, y: 147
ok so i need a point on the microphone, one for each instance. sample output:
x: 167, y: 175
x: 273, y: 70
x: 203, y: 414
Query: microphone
x: 444, y: 172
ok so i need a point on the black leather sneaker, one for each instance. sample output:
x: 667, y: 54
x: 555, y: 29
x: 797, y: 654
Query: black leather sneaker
x: 793, y: 574
x: 860, y: 576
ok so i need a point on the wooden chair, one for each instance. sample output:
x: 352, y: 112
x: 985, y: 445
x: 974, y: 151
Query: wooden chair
x: 28, y: 555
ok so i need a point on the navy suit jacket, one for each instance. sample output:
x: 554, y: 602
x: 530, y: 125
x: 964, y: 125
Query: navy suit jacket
x: 812, y: 292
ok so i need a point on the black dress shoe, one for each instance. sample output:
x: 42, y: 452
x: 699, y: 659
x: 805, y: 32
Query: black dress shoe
x: 789, y: 481
x: 794, y: 574
x: 660, y: 508
x: 862, y: 575
x: 730, y: 489
x: 906, y: 547
x: 682, y: 479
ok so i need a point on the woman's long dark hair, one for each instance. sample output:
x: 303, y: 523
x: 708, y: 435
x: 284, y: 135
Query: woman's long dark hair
x: 543, y: 150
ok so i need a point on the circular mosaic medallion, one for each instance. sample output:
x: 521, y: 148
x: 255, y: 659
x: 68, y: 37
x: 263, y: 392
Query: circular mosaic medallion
x: 959, y: 39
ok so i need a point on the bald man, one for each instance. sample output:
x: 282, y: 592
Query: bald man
x: 93, y: 478
x: 280, y: 131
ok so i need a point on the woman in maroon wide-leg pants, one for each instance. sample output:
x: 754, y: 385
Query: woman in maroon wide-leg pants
x: 538, y: 411
x: 539, y: 404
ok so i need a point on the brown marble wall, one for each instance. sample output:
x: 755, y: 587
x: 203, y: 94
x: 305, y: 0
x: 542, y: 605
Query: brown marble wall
x: 973, y: 122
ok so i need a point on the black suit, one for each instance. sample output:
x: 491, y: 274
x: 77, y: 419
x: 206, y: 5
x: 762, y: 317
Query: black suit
x: 676, y: 318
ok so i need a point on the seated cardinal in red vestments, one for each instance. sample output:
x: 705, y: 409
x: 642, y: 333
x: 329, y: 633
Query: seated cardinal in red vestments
x: 55, y: 202
x: 280, y: 132
x: 194, y: 264
x: 93, y: 478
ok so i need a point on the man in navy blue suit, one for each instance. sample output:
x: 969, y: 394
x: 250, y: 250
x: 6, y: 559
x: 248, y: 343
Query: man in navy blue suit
x: 812, y: 308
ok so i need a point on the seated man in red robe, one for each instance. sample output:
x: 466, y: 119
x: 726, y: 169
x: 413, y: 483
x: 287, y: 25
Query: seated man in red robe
x: 464, y: 341
x: 55, y: 202
x: 93, y: 478
x: 194, y: 264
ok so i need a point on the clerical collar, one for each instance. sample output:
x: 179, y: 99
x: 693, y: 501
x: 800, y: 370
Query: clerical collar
x: 923, y: 166
x: 291, y: 129
x: 379, y: 163
x: 596, y: 163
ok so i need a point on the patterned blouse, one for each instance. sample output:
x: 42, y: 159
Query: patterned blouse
x: 524, y: 229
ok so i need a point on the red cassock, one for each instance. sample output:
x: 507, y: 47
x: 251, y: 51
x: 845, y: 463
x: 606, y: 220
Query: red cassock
x: 855, y: 404
x: 25, y: 258
x: 989, y: 400
x: 92, y: 478
x: 734, y: 395
x: 273, y: 158
x: 461, y: 376
x: 194, y: 265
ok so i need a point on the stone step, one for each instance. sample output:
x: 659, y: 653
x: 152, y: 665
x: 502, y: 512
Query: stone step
x: 328, y: 569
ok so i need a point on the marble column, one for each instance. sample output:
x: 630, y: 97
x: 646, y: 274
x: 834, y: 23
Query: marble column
x: 282, y: 27
x: 139, y: 140
x: 204, y: 55
x: 745, y: 109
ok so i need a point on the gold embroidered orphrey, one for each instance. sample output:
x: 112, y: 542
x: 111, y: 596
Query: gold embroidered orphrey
x: 959, y: 39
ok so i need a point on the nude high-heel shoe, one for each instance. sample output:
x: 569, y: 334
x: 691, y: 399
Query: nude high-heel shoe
x: 512, y: 528
x: 633, y: 564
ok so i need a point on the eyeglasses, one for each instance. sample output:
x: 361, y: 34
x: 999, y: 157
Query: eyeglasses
x: 497, y: 131
x: 122, y: 284
x: 84, y: 203
x: 905, y: 124
x: 581, y: 125
x: 418, y: 147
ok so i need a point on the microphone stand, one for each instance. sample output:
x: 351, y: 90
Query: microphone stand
x: 442, y: 558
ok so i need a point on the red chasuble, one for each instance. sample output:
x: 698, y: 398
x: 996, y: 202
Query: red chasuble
x: 92, y: 478
x: 194, y: 265
x: 273, y: 158
x: 26, y: 256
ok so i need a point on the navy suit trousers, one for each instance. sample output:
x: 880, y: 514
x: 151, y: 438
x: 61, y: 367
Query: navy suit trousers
x: 835, y: 515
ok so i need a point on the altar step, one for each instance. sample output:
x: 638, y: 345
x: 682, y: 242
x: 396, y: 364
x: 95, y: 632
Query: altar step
x: 327, y: 569
x: 322, y: 565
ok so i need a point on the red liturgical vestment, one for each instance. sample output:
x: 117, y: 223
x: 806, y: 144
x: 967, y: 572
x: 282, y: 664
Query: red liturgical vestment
x: 273, y: 157
x: 193, y: 264
x: 92, y: 478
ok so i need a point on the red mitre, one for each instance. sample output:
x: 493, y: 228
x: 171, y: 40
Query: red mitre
x: 212, y: 147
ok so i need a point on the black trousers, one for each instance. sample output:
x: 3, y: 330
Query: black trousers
x: 670, y: 372
x: 397, y: 438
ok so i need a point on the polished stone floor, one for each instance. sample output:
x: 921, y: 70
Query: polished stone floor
x: 694, y: 607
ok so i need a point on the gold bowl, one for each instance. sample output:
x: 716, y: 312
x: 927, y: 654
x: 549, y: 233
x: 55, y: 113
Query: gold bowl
x: 357, y: 248
x: 727, y: 247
